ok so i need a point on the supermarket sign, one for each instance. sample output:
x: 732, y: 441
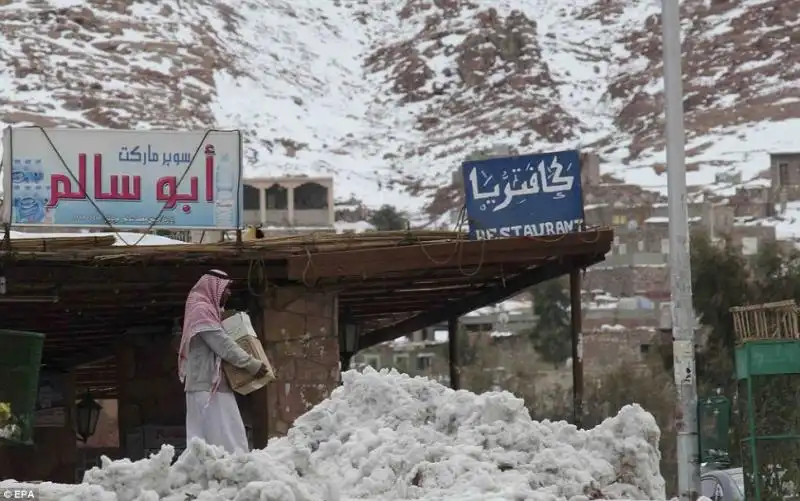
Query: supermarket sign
x: 123, y: 179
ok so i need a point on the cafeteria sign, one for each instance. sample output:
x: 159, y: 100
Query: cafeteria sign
x: 524, y: 196
x: 124, y: 179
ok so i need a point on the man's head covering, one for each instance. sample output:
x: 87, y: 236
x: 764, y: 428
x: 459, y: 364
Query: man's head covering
x: 203, y: 312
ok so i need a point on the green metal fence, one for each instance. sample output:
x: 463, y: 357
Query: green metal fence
x: 714, y: 420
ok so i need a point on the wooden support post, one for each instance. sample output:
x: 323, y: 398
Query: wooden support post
x: 577, y: 346
x: 258, y: 399
x: 452, y: 352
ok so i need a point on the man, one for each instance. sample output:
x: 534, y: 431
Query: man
x: 211, y: 410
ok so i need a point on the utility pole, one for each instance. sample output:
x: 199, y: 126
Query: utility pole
x: 683, y: 320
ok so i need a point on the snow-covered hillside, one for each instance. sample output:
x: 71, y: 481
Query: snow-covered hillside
x: 390, y: 95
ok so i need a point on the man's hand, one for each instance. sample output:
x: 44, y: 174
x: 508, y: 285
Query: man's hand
x: 262, y: 371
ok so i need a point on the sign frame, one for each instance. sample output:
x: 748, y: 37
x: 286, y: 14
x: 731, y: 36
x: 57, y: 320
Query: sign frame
x: 162, y: 207
x: 530, y: 195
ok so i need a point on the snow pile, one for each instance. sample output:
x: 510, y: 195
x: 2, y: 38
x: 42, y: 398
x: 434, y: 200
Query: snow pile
x: 388, y: 436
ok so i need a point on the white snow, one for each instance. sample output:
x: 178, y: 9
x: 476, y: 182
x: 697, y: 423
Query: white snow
x: 510, y: 306
x: 386, y: 436
x: 787, y: 224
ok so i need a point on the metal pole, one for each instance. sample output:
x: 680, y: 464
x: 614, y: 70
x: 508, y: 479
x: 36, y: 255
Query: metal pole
x: 452, y: 353
x: 679, y: 261
x: 577, y: 346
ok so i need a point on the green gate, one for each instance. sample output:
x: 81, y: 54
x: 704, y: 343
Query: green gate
x: 714, y: 424
x: 20, y: 359
x: 768, y: 376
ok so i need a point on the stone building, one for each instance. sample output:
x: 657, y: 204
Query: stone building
x: 648, y: 280
x: 784, y: 169
x: 289, y: 202
x: 753, y: 201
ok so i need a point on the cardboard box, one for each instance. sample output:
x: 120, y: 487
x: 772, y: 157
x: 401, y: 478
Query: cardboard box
x: 241, y: 330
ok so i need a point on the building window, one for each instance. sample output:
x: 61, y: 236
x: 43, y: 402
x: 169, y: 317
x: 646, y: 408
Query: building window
x: 665, y: 245
x: 401, y: 362
x: 749, y: 246
x: 644, y: 349
x: 310, y: 196
x: 640, y: 245
x: 373, y: 361
x: 277, y: 198
x: 783, y: 173
x: 424, y: 361
x: 250, y: 198
x: 619, y: 220
x: 622, y: 249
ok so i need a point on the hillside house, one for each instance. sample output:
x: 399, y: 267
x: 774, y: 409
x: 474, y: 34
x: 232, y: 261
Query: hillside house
x: 602, y: 310
x: 784, y: 170
x: 610, y: 345
x: 631, y: 278
x: 751, y: 237
x: 753, y: 201
x: 287, y: 202
x: 590, y: 170
x: 604, y: 347
x: 617, y: 215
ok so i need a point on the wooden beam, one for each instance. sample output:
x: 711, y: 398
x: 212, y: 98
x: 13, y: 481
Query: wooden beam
x: 95, y: 354
x: 465, y: 254
x: 390, y: 311
x: 388, y: 297
x: 494, y: 294
x: 383, y: 318
x: 360, y: 293
x: 136, y: 273
x: 437, y: 275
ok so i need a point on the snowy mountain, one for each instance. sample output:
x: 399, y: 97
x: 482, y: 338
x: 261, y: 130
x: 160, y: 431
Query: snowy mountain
x: 390, y: 95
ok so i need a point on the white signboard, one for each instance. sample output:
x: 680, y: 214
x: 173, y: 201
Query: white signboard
x: 122, y: 179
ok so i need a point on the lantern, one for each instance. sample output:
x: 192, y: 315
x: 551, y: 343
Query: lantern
x: 350, y: 336
x: 87, y: 413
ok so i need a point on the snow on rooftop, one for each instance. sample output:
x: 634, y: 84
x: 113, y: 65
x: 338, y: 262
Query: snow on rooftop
x: 387, y: 436
x: 355, y: 227
x: 613, y: 328
x: 502, y: 334
x: 510, y: 306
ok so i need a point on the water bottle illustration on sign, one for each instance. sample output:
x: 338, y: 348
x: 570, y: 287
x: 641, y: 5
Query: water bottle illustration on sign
x: 30, y: 194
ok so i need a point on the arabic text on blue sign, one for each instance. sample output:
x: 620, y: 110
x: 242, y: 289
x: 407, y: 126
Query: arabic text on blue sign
x: 524, y: 196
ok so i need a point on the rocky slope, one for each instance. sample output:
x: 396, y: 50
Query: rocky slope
x: 390, y: 95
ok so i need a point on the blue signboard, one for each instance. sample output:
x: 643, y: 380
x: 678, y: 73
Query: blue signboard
x: 524, y: 196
